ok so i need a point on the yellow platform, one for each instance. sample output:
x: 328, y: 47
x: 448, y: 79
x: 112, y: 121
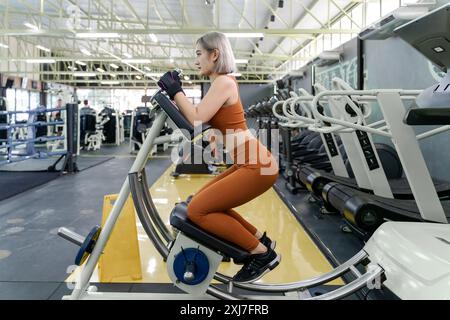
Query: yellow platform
x: 301, y: 258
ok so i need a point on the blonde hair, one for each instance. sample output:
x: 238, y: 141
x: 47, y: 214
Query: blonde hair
x: 225, y: 63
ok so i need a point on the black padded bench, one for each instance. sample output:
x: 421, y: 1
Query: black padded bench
x: 179, y: 220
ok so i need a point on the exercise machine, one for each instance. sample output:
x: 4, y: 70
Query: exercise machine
x: 193, y: 255
x: 141, y: 122
x: 113, y: 130
x: 366, y: 212
x: 191, y: 275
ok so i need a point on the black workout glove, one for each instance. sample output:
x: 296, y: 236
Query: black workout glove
x: 171, y: 83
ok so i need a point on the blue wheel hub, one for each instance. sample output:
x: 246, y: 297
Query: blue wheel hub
x: 192, y: 262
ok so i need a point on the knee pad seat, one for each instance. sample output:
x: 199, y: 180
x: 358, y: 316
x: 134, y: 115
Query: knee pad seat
x: 179, y: 220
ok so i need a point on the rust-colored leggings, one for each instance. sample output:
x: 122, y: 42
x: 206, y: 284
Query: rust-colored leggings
x: 211, y: 207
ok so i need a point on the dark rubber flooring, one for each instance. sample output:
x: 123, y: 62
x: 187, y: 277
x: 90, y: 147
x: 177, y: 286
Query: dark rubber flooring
x: 14, y: 182
x: 33, y: 259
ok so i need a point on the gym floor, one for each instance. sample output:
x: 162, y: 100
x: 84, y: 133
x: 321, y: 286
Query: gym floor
x: 33, y: 258
x: 35, y: 262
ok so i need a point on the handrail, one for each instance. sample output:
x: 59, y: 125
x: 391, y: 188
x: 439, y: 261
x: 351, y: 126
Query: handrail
x: 344, y: 123
x: 36, y: 110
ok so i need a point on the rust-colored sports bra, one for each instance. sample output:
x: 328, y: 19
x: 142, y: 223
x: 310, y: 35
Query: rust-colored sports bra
x: 230, y: 116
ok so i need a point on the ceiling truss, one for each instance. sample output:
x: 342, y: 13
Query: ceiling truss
x: 133, y: 27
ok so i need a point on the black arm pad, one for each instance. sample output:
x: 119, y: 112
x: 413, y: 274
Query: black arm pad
x: 427, y: 116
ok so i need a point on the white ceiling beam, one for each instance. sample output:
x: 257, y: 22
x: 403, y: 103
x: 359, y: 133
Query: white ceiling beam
x: 108, y: 58
x: 345, y: 13
x: 128, y: 73
x: 311, y: 14
x: 292, y: 32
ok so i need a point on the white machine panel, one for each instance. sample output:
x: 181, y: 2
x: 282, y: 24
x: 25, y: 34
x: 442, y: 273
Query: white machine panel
x: 415, y: 257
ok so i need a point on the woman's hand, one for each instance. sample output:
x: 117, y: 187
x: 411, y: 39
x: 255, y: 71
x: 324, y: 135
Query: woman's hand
x: 171, y: 83
x: 213, y: 144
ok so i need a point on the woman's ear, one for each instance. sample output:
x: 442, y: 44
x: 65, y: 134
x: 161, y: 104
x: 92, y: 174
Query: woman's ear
x: 215, y: 55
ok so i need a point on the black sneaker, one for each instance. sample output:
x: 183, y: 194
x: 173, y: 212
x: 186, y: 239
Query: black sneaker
x: 265, y: 240
x: 257, y: 266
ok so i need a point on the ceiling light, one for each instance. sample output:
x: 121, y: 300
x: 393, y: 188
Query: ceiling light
x: 190, y: 82
x: 43, y: 48
x: 113, y: 75
x: 280, y: 3
x: 100, y: 70
x: 136, y: 60
x: 129, y: 56
x: 97, y: 35
x: 438, y: 49
x: 236, y: 74
x: 171, y: 60
x: 138, y: 77
x: 86, y: 52
x: 84, y: 74
x: 80, y: 63
x: 72, y: 68
x: 272, y: 18
x: 243, y: 61
x: 153, y: 37
x: 186, y: 78
x: 40, y: 60
x: 2, y: 45
x: 147, y: 68
x: 154, y: 74
x: 244, y: 35
x: 110, y: 82
x: 113, y: 65
x: 31, y: 26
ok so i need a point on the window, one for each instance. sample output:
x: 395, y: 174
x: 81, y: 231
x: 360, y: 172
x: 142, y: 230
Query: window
x: 34, y: 99
x: 327, y: 42
x: 11, y: 99
x: 357, y: 15
x: 387, y: 6
x: 372, y: 11
x: 22, y: 104
x: 346, y: 24
x: 319, y: 44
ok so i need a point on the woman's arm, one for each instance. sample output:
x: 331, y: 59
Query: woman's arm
x: 221, y: 90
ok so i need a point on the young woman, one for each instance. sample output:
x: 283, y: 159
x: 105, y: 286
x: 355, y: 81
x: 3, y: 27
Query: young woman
x: 254, y: 171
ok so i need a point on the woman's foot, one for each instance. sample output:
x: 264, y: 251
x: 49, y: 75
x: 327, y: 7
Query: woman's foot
x: 267, y: 242
x: 257, y: 266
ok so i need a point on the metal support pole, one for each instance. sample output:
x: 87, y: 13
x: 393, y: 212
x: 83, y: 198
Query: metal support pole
x: 141, y: 159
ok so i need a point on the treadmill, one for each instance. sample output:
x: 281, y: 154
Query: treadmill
x: 324, y: 152
x: 375, y: 154
x: 364, y: 212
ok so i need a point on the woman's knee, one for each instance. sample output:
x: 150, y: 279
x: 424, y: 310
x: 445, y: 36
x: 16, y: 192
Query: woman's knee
x: 194, y: 213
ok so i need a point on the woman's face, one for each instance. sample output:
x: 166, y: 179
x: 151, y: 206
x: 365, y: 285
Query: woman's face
x: 205, y: 60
